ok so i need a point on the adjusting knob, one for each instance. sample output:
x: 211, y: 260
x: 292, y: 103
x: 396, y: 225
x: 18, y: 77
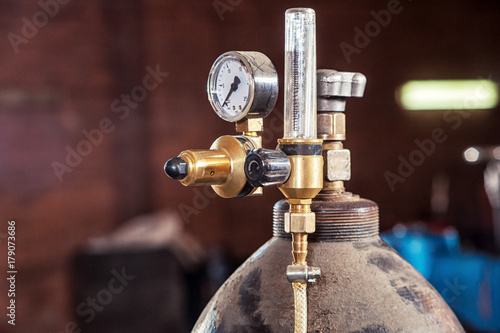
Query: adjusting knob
x: 176, y: 168
x: 265, y: 167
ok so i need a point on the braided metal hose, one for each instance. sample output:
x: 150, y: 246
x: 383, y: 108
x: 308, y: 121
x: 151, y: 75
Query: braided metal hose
x: 300, y: 300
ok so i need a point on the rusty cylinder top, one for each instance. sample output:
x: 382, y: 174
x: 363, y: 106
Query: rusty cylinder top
x: 339, y: 218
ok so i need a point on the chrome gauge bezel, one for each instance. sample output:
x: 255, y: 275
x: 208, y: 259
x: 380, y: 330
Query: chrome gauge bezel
x: 212, y: 86
x: 262, y: 87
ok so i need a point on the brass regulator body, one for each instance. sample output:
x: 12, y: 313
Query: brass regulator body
x: 242, y: 88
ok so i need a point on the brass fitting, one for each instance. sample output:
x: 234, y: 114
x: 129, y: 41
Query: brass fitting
x: 331, y: 126
x: 306, y: 176
x: 304, y: 183
x: 300, y: 222
x: 299, y: 248
x: 221, y: 166
x: 300, y: 205
x: 206, y: 167
x: 250, y: 126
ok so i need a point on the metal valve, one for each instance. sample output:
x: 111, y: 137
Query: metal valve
x: 333, y: 89
x: 334, y: 86
x: 265, y: 167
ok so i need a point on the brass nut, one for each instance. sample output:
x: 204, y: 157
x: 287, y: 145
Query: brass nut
x: 331, y: 145
x: 250, y: 125
x: 300, y: 222
x: 331, y: 126
x: 293, y: 201
x: 338, y: 164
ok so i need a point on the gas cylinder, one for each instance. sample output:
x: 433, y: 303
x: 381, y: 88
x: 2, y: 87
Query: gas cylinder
x: 366, y: 286
x: 356, y: 283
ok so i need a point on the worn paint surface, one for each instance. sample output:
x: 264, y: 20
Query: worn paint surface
x: 365, y: 287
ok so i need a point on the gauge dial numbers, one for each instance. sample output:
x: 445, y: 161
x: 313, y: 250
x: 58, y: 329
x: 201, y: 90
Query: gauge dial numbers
x: 233, y: 88
x: 242, y: 85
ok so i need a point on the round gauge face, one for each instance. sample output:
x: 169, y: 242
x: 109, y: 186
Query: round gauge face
x: 230, y: 88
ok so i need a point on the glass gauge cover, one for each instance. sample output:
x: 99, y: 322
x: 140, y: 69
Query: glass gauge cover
x: 242, y: 84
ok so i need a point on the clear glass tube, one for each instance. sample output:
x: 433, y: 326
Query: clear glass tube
x: 300, y: 74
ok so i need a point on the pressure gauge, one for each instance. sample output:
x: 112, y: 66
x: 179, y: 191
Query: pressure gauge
x: 242, y: 85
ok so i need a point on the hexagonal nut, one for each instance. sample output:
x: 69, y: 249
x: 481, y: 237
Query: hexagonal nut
x: 331, y: 126
x: 250, y: 125
x: 300, y: 222
x: 338, y: 164
x: 296, y: 201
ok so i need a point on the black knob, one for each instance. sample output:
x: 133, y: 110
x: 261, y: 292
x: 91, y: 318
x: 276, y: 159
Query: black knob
x: 264, y: 167
x: 176, y: 168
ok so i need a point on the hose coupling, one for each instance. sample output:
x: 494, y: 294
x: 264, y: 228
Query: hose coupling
x: 302, y: 273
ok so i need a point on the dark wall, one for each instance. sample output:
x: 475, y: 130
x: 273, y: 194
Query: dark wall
x: 66, y: 77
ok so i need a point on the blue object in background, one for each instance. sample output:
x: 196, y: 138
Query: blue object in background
x: 469, y: 282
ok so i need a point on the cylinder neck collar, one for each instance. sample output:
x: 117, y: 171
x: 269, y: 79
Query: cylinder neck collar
x: 339, y: 218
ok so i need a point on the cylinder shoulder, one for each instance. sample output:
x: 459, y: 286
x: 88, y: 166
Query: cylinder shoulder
x: 365, y: 287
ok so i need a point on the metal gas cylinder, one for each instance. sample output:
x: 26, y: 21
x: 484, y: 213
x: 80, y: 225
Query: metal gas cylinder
x: 356, y: 282
x: 365, y: 285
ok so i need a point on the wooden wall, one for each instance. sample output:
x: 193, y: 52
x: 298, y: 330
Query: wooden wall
x: 65, y: 79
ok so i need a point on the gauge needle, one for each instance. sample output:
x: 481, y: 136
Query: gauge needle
x: 234, y: 87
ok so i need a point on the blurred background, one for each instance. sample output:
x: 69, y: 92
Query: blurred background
x: 96, y: 95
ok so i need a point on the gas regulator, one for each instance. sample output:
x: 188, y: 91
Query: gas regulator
x: 242, y: 88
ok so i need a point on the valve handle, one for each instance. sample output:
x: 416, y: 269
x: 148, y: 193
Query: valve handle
x: 265, y: 167
x: 334, y: 87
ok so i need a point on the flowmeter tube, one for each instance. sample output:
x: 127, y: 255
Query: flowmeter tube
x: 300, y: 74
x: 302, y: 147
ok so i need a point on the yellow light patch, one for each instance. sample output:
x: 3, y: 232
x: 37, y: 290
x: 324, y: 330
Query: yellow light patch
x: 448, y: 95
